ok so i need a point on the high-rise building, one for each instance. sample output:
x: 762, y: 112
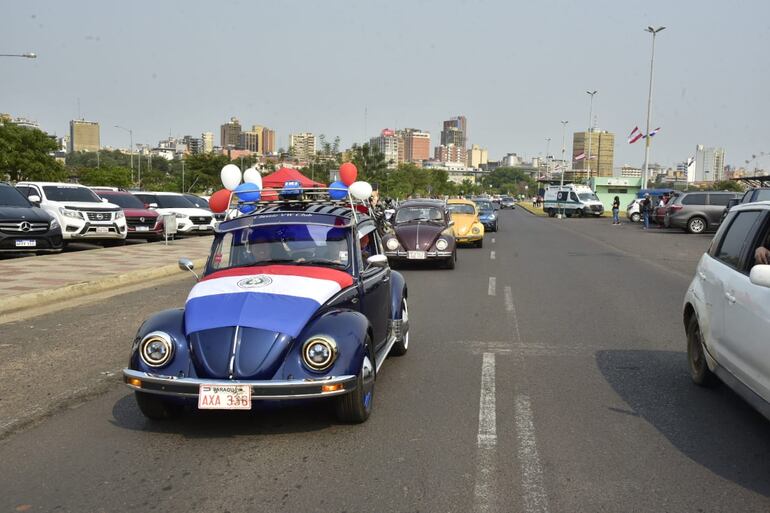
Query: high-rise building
x: 602, y: 151
x: 84, y: 135
x: 416, y: 145
x: 268, y: 141
x: 250, y: 140
x: 194, y: 145
x: 477, y: 156
x: 230, y: 134
x: 709, y: 164
x: 302, y: 146
x: 207, y: 139
x: 455, y: 132
x: 450, y: 153
x: 387, y: 143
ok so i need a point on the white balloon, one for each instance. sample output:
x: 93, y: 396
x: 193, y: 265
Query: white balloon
x: 251, y: 175
x: 360, y: 190
x: 231, y: 176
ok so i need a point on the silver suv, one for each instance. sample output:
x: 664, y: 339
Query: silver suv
x: 697, y: 212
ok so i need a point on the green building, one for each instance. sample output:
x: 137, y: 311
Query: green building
x: 607, y: 187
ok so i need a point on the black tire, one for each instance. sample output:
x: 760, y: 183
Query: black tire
x: 578, y: 212
x: 696, y: 358
x: 696, y: 224
x: 401, y: 346
x: 356, y: 406
x: 450, y: 262
x: 551, y: 212
x: 480, y: 243
x: 156, y: 408
x: 636, y: 217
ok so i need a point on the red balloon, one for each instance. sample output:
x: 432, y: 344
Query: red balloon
x: 219, y: 201
x: 348, y: 173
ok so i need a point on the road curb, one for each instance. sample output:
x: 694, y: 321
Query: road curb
x: 529, y: 211
x: 17, y: 303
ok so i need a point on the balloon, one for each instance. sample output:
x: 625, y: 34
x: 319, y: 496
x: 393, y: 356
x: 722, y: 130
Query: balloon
x: 251, y: 175
x: 360, y: 190
x: 247, y: 192
x: 338, y: 191
x: 348, y: 173
x: 219, y: 201
x: 231, y: 176
x: 247, y: 209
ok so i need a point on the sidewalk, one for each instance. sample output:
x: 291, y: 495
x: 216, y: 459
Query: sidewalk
x: 37, y: 280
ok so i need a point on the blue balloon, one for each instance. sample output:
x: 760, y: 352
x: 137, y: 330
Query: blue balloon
x: 248, y: 192
x: 338, y: 194
x: 247, y: 209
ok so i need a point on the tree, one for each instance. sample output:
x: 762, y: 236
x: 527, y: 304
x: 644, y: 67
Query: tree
x: 108, y: 176
x: 25, y: 154
x: 203, y: 171
x: 728, y: 185
x: 508, y: 180
x: 370, y: 162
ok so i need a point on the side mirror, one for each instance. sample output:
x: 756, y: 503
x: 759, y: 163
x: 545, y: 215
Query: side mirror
x: 186, y: 264
x: 377, y: 261
x: 760, y: 275
x: 104, y: 200
x: 733, y: 202
x: 450, y: 224
x: 34, y: 199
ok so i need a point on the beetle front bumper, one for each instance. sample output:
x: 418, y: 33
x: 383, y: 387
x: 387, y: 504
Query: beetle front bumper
x: 404, y: 255
x: 264, y: 390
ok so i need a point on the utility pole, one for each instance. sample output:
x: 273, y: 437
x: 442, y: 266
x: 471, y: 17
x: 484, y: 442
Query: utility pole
x: 547, y: 162
x: 588, y: 134
x: 645, y: 175
x: 563, y: 156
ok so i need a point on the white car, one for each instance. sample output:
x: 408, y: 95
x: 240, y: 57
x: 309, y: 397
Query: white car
x: 727, y: 308
x: 634, y: 211
x: 189, y: 218
x: 81, y: 214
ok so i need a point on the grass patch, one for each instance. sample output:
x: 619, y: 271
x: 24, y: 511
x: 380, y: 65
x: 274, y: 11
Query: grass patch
x: 538, y: 211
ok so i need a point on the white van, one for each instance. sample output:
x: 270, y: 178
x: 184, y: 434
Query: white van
x: 573, y: 200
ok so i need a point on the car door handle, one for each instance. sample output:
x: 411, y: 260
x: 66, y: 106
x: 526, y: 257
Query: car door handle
x: 730, y: 297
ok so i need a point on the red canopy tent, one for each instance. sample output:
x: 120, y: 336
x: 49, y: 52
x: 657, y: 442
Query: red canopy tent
x: 276, y: 180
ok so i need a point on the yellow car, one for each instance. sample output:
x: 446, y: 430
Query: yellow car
x: 467, y: 227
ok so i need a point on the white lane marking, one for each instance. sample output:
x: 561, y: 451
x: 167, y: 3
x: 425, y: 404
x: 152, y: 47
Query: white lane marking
x: 493, y: 240
x: 492, y: 286
x: 492, y: 255
x: 511, y: 309
x: 486, y: 457
x: 535, y: 498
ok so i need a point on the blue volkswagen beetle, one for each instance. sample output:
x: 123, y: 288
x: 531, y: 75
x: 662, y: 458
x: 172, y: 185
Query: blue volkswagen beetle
x: 296, y: 301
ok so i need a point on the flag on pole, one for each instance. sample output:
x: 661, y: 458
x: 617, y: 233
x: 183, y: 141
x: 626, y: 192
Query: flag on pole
x: 581, y: 156
x: 652, y: 134
x: 635, y: 135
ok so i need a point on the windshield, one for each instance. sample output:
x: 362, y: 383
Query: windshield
x: 484, y: 206
x: 295, y: 244
x: 123, y: 200
x: 461, y: 208
x: 587, y: 196
x: 10, y: 197
x: 411, y: 214
x: 64, y: 193
x: 197, y: 201
x: 171, y: 201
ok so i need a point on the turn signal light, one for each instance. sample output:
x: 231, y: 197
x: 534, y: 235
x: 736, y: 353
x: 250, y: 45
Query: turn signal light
x: 331, y: 388
x: 134, y: 382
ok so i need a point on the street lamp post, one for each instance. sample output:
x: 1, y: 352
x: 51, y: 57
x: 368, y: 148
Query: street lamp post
x: 652, y: 30
x: 28, y: 55
x: 563, y: 157
x: 547, y: 162
x: 588, y: 133
x: 130, y: 149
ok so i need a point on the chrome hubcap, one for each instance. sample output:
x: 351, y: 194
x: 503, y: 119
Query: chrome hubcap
x: 696, y: 225
x: 367, y: 381
x: 405, y: 321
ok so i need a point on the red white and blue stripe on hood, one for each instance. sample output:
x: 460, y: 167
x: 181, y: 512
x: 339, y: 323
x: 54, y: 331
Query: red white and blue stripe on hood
x: 279, y: 298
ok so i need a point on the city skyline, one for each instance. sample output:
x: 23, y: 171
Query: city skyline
x: 509, y: 111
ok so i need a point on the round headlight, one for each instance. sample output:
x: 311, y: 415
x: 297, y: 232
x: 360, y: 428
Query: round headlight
x: 441, y: 244
x: 319, y: 353
x: 392, y: 244
x: 156, y: 349
x: 476, y: 230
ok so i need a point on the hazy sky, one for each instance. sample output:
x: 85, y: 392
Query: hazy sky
x: 514, y: 69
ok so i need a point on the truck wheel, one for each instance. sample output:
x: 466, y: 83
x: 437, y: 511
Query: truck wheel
x: 696, y: 225
x: 401, y: 346
x: 578, y: 212
x: 356, y: 406
x: 157, y: 408
x: 696, y: 359
x: 551, y: 212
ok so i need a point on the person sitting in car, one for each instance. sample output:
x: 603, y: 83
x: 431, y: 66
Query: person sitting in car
x: 762, y: 253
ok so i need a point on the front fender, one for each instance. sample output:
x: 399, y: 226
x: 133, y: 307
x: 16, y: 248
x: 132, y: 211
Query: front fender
x: 171, y: 322
x: 397, y: 293
x: 349, y: 330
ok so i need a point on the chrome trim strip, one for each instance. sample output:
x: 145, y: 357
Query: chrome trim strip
x: 384, y: 354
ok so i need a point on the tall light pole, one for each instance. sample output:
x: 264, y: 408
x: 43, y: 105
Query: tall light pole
x: 563, y: 151
x: 588, y: 134
x: 130, y: 149
x: 28, y: 55
x: 652, y: 30
x: 547, y: 150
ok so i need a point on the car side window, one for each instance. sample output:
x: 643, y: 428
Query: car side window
x: 694, y: 199
x: 573, y: 196
x: 740, y: 232
x: 24, y: 190
x: 720, y: 199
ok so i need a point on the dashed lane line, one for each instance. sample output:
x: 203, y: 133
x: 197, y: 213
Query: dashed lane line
x: 484, y: 491
x: 492, y: 255
x: 492, y: 290
x: 535, y: 498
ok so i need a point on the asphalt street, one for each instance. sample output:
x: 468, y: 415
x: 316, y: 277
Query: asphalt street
x: 546, y: 373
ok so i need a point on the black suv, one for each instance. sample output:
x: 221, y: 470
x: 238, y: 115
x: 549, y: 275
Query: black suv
x: 25, y: 228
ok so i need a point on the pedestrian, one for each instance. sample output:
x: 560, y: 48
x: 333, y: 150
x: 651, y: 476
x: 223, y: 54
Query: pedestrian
x: 646, y: 206
x: 615, y: 210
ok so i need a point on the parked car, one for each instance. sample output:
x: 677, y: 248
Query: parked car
x: 487, y: 215
x: 467, y: 228
x: 697, y: 212
x: 189, y: 218
x: 422, y: 230
x: 81, y: 214
x: 507, y: 202
x: 750, y: 196
x: 633, y: 212
x: 727, y: 308
x: 143, y: 223
x: 25, y: 228
x: 288, y: 307
x: 659, y: 212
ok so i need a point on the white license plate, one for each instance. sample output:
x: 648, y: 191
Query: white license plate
x: 204, y: 227
x: 415, y: 255
x: 26, y: 243
x: 224, y: 397
x: 143, y: 228
x: 102, y: 229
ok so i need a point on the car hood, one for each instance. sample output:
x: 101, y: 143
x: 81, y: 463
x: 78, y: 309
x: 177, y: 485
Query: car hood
x: 185, y: 211
x: 418, y: 236
x: 86, y: 205
x: 33, y: 214
x: 140, y: 212
x: 486, y: 215
x: 463, y: 223
x: 253, y: 314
